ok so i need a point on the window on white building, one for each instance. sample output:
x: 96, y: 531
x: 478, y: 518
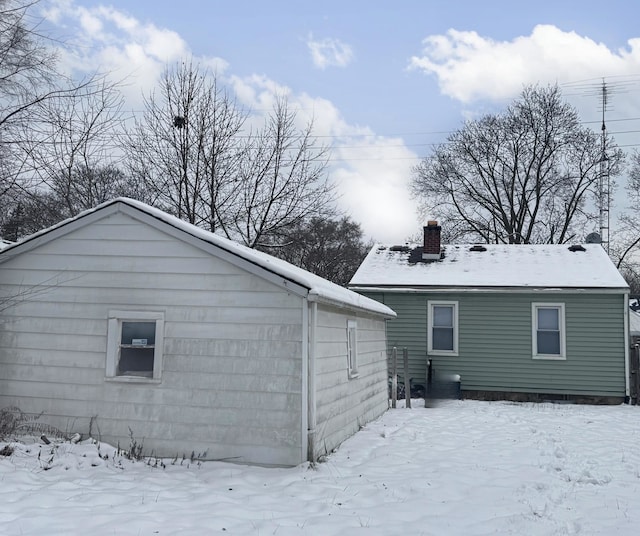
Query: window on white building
x: 352, y: 348
x: 134, y: 345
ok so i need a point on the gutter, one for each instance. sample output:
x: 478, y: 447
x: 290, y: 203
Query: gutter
x: 435, y: 289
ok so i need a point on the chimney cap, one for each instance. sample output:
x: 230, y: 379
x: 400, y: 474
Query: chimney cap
x: 432, y: 223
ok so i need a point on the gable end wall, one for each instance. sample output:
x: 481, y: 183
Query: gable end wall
x: 232, y: 377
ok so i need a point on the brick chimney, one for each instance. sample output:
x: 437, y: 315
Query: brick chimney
x: 431, y: 249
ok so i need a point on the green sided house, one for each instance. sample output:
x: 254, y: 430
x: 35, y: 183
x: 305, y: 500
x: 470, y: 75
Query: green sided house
x: 519, y: 322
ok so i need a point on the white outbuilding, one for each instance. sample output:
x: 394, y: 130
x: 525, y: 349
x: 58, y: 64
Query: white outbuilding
x: 128, y: 322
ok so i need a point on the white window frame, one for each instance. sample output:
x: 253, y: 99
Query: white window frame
x: 534, y: 330
x: 430, y: 307
x: 114, y: 338
x: 352, y: 348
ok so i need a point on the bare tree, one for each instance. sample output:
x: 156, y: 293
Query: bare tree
x: 26, y: 79
x: 52, y: 128
x: 186, y: 149
x: 27, y: 73
x: 94, y: 185
x: 27, y: 213
x: 73, y: 152
x: 283, y: 179
x: 199, y: 161
x: 330, y: 248
x: 29, y: 82
x: 34, y: 209
x: 528, y: 175
x: 625, y: 243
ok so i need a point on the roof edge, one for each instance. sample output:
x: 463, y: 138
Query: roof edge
x: 434, y: 289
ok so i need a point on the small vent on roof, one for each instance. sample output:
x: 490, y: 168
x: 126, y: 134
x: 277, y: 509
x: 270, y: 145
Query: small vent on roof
x: 477, y: 247
x: 577, y: 247
x: 400, y: 248
x: 593, y: 238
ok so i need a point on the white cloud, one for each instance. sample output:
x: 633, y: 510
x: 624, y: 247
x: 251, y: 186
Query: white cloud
x: 89, y: 22
x: 329, y: 52
x: 258, y: 92
x: 373, y: 175
x: 110, y: 41
x: 470, y: 67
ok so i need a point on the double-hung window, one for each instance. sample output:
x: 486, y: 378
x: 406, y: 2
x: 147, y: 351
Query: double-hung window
x: 352, y: 348
x: 443, y: 328
x: 548, y: 331
x: 134, y: 345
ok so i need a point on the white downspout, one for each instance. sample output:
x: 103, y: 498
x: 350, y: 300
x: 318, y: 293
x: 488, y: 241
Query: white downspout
x: 304, y: 377
x: 627, y: 342
x: 311, y: 419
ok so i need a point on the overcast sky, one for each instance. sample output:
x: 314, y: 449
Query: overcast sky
x: 383, y: 80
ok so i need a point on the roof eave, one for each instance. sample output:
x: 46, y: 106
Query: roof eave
x: 377, y: 309
x: 480, y: 288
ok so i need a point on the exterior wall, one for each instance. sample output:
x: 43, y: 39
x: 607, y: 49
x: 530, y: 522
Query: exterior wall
x: 344, y: 403
x: 495, y: 342
x: 231, y: 383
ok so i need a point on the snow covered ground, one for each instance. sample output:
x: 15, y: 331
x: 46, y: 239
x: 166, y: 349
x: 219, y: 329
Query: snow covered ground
x: 460, y: 468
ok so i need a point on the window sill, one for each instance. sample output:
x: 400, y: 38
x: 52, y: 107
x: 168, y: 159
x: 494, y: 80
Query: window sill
x: 549, y: 357
x: 133, y: 379
x: 442, y: 353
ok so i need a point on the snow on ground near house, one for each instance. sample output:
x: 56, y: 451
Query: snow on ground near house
x: 462, y: 467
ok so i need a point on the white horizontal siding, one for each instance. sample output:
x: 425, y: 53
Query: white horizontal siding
x: 44, y: 390
x: 232, y: 348
x: 126, y: 263
x: 345, y: 404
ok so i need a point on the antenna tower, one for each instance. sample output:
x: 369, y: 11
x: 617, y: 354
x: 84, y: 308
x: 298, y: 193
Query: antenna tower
x: 603, y: 91
x: 604, y: 182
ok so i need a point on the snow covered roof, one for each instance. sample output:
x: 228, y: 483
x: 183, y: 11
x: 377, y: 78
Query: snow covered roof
x: 490, y: 265
x: 4, y: 243
x: 318, y: 287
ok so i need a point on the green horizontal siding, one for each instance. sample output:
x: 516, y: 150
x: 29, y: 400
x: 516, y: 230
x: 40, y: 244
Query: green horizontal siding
x: 495, y: 350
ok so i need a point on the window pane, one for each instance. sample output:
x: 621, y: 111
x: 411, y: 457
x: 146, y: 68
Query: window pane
x: 442, y: 339
x: 548, y: 318
x: 136, y: 362
x: 549, y: 342
x: 139, y: 333
x: 443, y: 316
x: 352, y: 348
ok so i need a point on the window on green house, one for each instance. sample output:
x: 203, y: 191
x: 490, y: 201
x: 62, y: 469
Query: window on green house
x: 548, y: 331
x: 443, y: 327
